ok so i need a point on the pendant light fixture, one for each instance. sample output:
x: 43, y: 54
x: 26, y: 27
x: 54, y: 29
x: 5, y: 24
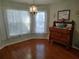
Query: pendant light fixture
x: 33, y: 8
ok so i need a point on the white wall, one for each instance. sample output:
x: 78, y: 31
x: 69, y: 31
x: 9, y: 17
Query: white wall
x: 2, y: 29
x: 73, y: 5
x: 0, y: 24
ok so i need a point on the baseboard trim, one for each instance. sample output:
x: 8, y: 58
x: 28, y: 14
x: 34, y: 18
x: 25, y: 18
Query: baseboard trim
x: 2, y: 47
x: 75, y: 47
x: 13, y: 43
x: 20, y: 41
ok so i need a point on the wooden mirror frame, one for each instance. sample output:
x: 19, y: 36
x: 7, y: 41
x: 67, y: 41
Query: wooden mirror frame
x: 63, y: 14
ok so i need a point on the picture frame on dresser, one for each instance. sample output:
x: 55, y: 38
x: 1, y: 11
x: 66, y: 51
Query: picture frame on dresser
x: 63, y: 15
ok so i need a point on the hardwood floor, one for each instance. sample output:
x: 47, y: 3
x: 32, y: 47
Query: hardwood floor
x: 37, y: 49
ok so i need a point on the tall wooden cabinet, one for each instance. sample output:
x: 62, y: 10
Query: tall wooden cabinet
x: 62, y: 34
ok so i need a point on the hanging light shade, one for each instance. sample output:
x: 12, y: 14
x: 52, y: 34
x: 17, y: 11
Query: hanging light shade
x: 33, y: 8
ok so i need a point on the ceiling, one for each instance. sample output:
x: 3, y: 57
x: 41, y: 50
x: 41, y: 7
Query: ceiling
x: 37, y: 1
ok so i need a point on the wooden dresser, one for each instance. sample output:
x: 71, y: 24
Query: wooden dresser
x: 62, y: 35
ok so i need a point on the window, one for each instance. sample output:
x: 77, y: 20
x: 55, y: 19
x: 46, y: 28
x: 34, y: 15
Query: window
x: 18, y: 22
x: 40, y: 21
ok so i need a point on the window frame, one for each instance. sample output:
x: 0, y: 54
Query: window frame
x: 6, y: 24
x: 45, y: 25
x: 32, y: 29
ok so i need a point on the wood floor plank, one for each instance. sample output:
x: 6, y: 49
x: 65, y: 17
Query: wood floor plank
x: 37, y: 49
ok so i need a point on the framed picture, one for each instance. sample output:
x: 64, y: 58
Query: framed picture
x: 63, y: 14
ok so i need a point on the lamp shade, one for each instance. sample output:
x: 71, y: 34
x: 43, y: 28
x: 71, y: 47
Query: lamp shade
x: 33, y: 9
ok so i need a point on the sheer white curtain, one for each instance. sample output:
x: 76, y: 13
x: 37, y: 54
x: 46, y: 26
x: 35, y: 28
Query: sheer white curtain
x: 18, y: 22
x: 40, y: 22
